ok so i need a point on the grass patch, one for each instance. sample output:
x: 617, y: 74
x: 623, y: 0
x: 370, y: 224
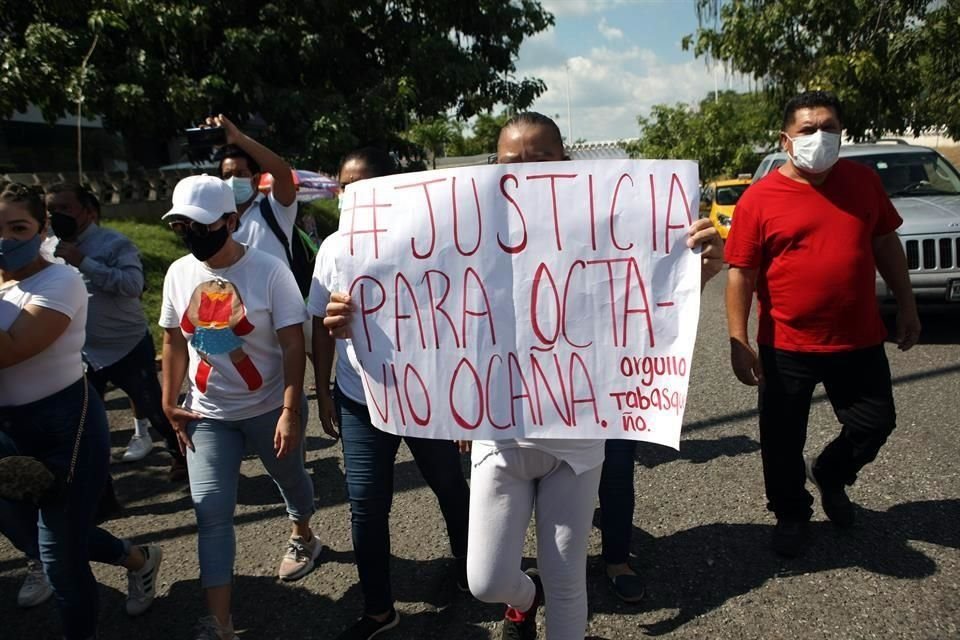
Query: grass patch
x: 326, y: 213
x: 158, y: 248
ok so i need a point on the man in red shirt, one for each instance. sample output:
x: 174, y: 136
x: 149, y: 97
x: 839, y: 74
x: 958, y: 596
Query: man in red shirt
x: 807, y: 239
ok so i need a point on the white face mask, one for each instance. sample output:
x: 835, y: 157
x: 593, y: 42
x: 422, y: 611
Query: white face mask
x: 816, y: 152
x: 242, y: 189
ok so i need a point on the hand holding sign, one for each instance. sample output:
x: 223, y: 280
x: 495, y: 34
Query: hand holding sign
x: 339, y: 314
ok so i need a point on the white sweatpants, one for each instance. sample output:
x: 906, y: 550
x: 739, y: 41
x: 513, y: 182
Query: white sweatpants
x: 505, y: 485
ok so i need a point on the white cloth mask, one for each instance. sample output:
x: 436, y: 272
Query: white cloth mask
x: 816, y: 152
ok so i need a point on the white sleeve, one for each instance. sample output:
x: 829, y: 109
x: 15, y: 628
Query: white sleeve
x: 169, y: 319
x: 286, y: 303
x: 63, y: 292
x: 286, y: 215
x: 324, y: 280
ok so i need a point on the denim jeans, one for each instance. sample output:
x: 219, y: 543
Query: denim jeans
x: 136, y: 375
x: 617, y: 500
x: 64, y: 531
x: 369, y: 455
x: 214, y: 468
x: 859, y: 388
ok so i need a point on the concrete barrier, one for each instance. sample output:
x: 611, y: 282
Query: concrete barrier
x: 122, y: 194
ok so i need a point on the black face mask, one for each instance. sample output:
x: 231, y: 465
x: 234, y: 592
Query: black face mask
x: 64, y: 226
x: 206, y: 246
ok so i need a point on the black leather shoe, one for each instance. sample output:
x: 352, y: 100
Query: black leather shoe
x: 833, y: 499
x: 629, y: 587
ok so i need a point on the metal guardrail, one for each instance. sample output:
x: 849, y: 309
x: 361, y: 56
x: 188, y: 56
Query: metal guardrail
x: 114, y: 187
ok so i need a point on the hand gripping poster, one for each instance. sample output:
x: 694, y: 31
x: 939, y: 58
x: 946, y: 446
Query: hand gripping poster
x: 537, y: 300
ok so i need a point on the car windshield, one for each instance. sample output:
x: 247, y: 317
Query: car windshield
x: 913, y: 174
x: 728, y: 195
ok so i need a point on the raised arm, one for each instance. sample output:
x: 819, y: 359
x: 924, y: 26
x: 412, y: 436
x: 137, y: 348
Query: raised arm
x: 284, y: 191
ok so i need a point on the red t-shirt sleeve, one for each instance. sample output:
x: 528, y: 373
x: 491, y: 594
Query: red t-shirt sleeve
x: 744, y: 246
x: 888, y: 220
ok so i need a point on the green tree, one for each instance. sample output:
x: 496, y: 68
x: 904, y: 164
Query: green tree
x: 724, y: 133
x: 434, y: 135
x: 323, y: 75
x: 484, y: 133
x: 893, y: 63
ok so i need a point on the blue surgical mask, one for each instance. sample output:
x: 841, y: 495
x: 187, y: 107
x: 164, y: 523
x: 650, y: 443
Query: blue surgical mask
x: 16, y: 254
x: 242, y: 189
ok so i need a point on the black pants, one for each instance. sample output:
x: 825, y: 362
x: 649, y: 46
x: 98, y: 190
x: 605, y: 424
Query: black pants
x: 617, y: 500
x: 859, y: 388
x: 136, y: 375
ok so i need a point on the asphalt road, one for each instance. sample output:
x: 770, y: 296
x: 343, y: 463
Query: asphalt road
x: 701, y: 532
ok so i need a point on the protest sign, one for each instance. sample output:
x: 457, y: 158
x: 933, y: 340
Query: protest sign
x: 537, y: 300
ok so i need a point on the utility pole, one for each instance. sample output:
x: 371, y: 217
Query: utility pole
x: 81, y: 81
x: 566, y: 66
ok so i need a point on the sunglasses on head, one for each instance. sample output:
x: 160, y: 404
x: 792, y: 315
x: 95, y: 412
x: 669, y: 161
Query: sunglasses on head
x: 183, y: 226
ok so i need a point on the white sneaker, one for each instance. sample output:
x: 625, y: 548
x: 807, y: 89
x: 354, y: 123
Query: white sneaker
x: 35, y: 589
x: 141, y: 585
x: 299, y: 558
x: 138, y: 449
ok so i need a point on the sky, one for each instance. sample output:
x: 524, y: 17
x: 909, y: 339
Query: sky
x: 620, y: 57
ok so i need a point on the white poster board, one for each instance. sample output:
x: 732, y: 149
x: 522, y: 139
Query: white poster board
x: 538, y: 300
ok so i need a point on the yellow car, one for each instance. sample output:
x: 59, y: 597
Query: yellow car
x: 718, y: 199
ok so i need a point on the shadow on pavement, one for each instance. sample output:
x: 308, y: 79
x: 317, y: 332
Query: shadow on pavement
x: 697, y: 570
x: 695, y: 451
x: 265, y: 608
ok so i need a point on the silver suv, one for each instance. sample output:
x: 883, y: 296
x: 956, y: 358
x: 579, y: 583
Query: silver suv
x: 925, y: 189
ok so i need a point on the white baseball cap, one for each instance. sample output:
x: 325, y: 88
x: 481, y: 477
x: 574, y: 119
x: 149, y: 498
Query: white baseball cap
x: 203, y: 199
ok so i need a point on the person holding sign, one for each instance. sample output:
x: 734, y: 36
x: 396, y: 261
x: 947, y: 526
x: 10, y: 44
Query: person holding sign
x: 368, y: 453
x: 233, y: 319
x: 808, y: 239
x: 559, y: 475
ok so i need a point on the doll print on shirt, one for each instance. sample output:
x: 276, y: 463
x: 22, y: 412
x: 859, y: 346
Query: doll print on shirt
x: 214, y: 321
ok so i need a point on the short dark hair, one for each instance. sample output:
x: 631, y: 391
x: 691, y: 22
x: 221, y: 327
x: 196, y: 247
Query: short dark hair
x: 379, y: 162
x: 84, y: 196
x: 30, y: 197
x: 233, y: 151
x: 809, y: 100
x: 532, y: 118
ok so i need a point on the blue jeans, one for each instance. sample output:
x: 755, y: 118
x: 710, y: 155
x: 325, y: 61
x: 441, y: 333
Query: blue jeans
x: 214, y: 468
x: 369, y: 455
x: 136, y: 375
x: 64, y: 531
x: 617, y: 500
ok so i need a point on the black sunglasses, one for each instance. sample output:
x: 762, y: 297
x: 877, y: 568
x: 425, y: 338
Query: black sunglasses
x: 184, y: 226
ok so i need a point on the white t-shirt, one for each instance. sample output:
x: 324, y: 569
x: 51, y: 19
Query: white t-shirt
x: 581, y: 455
x: 230, y: 319
x: 255, y: 232
x: 60, y: 288
x: 326, y: 281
